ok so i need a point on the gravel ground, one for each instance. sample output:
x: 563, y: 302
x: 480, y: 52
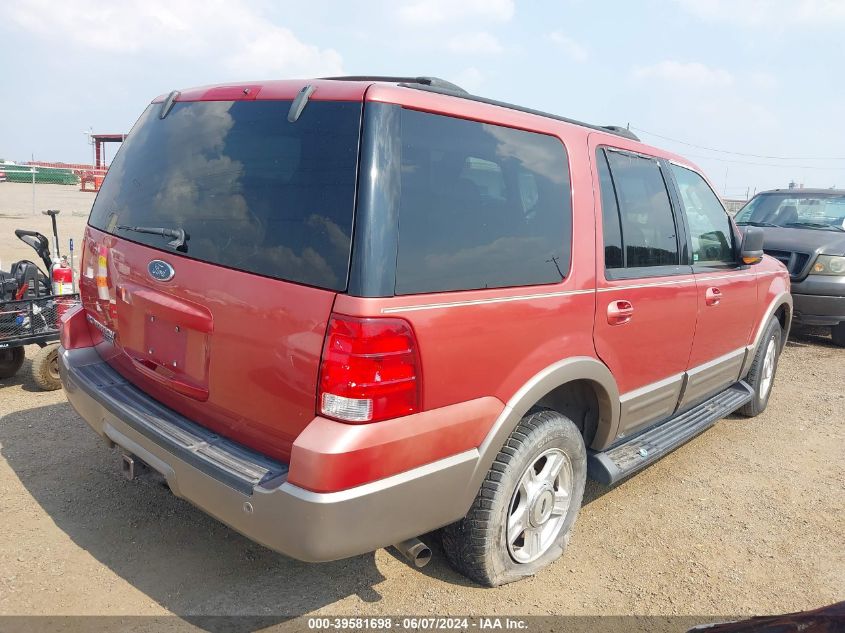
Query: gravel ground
x: 17, y: 199
x: 747, y: 518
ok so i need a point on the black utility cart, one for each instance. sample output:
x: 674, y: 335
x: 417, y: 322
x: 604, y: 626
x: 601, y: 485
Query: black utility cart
x: 31, y: 307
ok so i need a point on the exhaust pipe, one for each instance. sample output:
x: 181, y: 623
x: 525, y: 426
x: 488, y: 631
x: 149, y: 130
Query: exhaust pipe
x: 415, y: 551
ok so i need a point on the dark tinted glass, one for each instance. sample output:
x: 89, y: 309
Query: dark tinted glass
x: 482, y: 206
x: 709, y: 227
x: 253, y: 191
x: 648, y: 227
x: 609, y: 215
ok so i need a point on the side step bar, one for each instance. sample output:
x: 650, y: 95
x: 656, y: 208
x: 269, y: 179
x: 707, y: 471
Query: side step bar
x: 638, y: 451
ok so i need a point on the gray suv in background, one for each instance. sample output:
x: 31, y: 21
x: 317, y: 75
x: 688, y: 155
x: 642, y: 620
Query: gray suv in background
x: 805, y: 229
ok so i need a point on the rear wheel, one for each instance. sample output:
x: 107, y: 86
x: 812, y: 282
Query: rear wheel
x: 837, y: 332
x: 45, y: 368
x: 523, y: 515
x: 761, y: 376
x: 11, y: 359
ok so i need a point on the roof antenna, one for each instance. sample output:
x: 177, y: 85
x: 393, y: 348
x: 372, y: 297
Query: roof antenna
x: 168, y: 104
x: 299, y: 103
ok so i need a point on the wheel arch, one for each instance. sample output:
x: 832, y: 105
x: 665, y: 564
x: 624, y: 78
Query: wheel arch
x: 579, y: 386
x: 784, y: 314
x: 781, y: 308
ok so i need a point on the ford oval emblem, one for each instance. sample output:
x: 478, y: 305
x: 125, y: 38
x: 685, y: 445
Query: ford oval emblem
x: 160, y: 270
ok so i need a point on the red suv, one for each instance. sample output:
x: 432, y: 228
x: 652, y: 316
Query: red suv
x: 338, y: 314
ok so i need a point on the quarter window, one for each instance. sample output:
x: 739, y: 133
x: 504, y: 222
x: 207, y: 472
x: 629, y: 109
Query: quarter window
x: 710, y: 228
x: 481, y: 206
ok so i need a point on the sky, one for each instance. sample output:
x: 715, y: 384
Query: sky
x: 753, y: 91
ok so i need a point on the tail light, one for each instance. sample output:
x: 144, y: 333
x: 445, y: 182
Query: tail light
x: 370, y: 370
x: 73, y: 329
x: 102, y: 276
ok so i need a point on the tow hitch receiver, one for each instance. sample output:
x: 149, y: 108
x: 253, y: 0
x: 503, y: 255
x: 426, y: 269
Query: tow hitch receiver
x: 131, y: 466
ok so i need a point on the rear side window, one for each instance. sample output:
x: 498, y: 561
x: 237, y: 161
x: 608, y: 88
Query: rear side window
x: 709, y: 226
x: 649, y: 235
x: 611, y: 225
x: 481, y: 206
x: 253, y: 191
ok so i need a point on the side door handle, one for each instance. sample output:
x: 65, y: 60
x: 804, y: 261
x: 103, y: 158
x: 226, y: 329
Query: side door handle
x: 619, y: 312
x: 712, y: 296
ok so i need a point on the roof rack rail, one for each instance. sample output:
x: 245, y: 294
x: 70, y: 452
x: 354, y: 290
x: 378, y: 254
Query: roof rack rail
x: 441, y: 86
x: 410, y: 82
x: 611, y: 129
x: 621, y: 131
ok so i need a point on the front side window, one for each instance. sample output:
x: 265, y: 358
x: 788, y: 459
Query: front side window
x: 648, y: 225
x: 709, y: 226
x: 481, y: 206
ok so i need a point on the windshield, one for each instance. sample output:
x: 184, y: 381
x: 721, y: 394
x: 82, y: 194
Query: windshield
x: 250, y: 190
x: 795, y: 210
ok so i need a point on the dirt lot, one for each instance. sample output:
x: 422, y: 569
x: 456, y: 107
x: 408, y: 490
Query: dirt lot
x: 748, y: 518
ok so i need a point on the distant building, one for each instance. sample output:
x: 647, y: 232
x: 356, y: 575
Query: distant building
x: 733, y: 204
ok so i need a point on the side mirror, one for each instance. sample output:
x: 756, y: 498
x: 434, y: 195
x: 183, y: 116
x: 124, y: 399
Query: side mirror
x: 751, y: 251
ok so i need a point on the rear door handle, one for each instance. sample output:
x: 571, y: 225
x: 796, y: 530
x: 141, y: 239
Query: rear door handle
x: 712, y: 296
x: 619, y: 312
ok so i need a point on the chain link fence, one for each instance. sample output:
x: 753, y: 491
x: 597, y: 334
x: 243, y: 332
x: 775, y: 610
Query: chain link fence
x: 27, y: 189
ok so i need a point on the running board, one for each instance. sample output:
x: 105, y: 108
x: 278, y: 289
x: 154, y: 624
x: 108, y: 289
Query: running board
x: 638, y: 451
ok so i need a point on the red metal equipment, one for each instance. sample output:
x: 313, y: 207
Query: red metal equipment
x: 92, y: 180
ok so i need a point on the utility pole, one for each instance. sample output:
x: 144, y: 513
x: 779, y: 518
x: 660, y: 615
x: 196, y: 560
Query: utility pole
x: 32, y: 169
x: 90, y: 133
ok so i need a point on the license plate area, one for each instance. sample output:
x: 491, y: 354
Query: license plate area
x: 175, y: 352
x: 167, y: 339
x: 166, y: 344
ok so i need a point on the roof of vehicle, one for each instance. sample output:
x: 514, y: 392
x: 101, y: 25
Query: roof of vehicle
x: 352, y: 88
x: 811, y: 192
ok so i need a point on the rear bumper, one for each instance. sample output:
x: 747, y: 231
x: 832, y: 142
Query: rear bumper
x: 819, y: 300
x: 249, y: 492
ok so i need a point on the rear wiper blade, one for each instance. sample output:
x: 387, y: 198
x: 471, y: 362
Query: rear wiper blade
x: 756, y: 223
x: 816, y: 225
x: 179, y: 236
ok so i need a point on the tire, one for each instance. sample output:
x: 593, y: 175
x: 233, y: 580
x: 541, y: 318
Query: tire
x: 11, y: 359
x: 837, y: 332
x: 761, y: 376
x: 45, y: 368
x: 482, y: 546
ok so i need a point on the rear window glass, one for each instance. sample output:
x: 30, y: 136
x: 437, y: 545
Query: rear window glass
x: 648, y: 225
x: 253, y: 191
x: 611, y: 226
x: 481, y: 206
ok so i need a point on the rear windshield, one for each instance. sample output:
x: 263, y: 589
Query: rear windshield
x: 251, y: 190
